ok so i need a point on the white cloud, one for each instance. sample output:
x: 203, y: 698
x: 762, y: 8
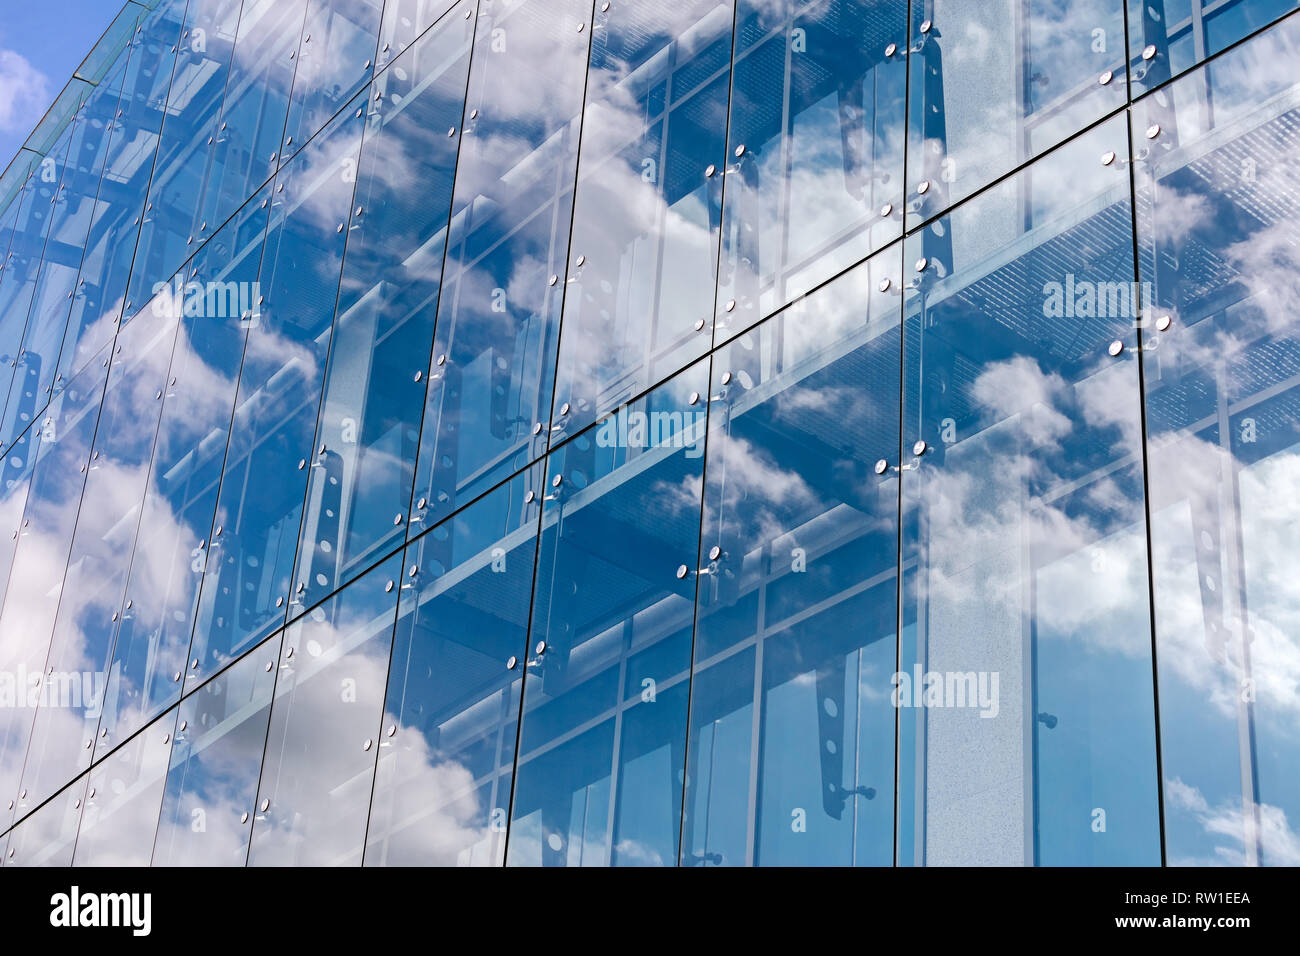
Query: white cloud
x: 24, y: 93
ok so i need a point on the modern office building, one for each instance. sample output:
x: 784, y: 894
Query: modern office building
x: 695, y: 432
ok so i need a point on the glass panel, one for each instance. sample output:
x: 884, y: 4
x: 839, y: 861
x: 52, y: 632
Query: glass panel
x: 335, y: 59
x: 217, y: 297
x: 123, y: 798
x: 1025, y: 690
x: 1218, y: 239
x: 791, y: 758
x: 1167, y: 37
x: 404, y: 20
x: 102, y: 289
x: 22, y: 268
x: 35, y: 583
x: 314, y: 794
x: 256, y: 104
x: 246, y: 587
x: 602, y: 748
x: 172, y: 226
x: 211, y: 790
x: 359, y: 490
x: 48, y: 836
x: 65, y: 727
x: 993, y: 84
x: 15, y: 479
x: 643, y: 270
x: 493, y: 368
x: 447, y: 747
x: 38, y: 349
x: 90, y: 150
x: 822, y: 160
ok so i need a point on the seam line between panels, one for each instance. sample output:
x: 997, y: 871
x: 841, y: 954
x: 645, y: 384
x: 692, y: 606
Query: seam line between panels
x: 550, y: 417
x: 103, y: 392
x: 433, y: 344
x: 902, y: 394
x: 1146, y: 492
x: 708, y: 414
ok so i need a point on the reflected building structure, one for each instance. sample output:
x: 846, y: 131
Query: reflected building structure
x: 724, y: 432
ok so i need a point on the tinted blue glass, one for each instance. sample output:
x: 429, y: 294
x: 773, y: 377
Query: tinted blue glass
x: 818, y: 183
x: 359, y: 489
x: 123, y: 796
x: 335, y: 59
x: 32, y: 599
x: 211, y: 788
x: 1025, y: 690
x: 314, y: 795
x: 447, y: 747
x: 603, y: 733
x: 1218, y: 240
x: 403, y: 21
x: 64, y: 731
x: 641, y: 280
x: 90, y: 149
x: 791, y: 758
x: 256, y: 104
x: 48, y: 836
x: 22, y: 264
x: 15, y: 479
x: 213, y: 294
x: 246, y: 588
x: 993, y: 84
x: 173, y: 226
x: 102, y: 297
x: 491, y: 374
x: 1167, y: 37
x: 38, y: 354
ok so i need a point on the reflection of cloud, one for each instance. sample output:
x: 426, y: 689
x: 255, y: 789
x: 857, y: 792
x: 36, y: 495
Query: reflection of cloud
x: 427, y: 811
x: 1228, y: 821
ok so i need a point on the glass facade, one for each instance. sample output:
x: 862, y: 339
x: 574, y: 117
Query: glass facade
x: 724, y: 432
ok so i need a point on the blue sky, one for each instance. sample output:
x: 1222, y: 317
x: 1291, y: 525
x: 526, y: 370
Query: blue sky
x: 41, y: 43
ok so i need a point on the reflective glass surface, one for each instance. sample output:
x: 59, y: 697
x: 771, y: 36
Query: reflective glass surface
x: 246, y: 150
x: 335, y: 59
x: 213, y: 299
x: 447, y: 745
x: 492, y: 370
x: 1218, y: 243
x: 654, y: 432
x: 123, y: 795
x: 246, y: 591
x: 640, y: 284
x: 211, y: 787
x: 359, y: 489
x: 36, y: 580
x: 91, y: 603
x: 791, y: 754
x: 981, y: 102
x: 818, y: 96
x: 1167, y: 37
x: 48, y: 836
x: 599, y: 771
x: 173, y: 226
x: 319, y: 767
x: 1025, y: 695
